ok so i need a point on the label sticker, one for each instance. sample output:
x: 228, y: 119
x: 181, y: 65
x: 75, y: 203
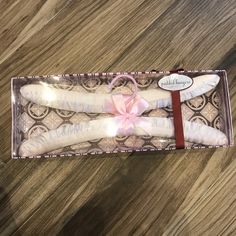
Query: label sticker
x: 175, y: 82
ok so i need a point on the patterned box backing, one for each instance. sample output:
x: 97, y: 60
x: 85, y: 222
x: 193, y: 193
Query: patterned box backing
x: 30, y: 119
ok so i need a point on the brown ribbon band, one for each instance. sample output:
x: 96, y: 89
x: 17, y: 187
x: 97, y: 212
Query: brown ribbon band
x: 178, y: 122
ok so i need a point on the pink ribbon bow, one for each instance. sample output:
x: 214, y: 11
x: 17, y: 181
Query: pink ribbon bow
x: 127, y: 109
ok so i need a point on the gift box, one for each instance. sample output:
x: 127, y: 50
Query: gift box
x: 96, y: 113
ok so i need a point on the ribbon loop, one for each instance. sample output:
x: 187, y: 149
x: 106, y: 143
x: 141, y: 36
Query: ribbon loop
x: 118, y: 77
x: 127, y: 108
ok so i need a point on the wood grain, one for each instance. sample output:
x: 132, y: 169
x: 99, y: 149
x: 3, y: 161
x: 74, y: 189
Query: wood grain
x: 166, y: 193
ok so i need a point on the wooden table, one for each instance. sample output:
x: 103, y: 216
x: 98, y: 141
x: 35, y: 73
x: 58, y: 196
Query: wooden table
x: 166, y: 193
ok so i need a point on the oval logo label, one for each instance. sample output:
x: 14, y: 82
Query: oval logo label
x: 175, y: 82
